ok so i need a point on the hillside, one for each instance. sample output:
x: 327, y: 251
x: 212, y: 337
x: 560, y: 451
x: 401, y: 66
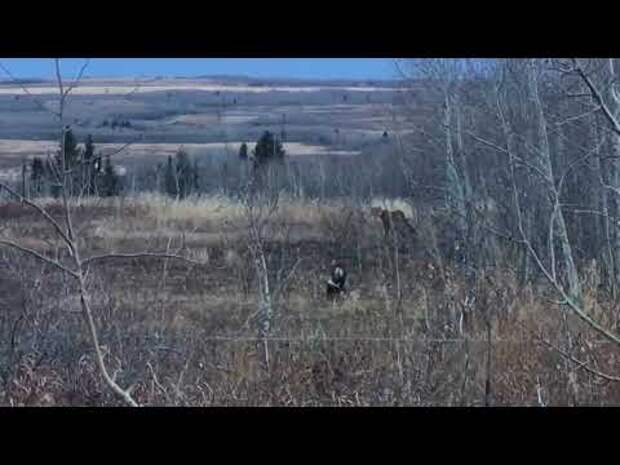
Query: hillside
x: 206, y: 115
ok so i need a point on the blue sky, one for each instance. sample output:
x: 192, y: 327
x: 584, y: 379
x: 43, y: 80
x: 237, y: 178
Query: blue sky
x: 321, y: 68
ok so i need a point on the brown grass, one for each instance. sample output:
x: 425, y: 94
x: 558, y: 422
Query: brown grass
x: 185, y: 335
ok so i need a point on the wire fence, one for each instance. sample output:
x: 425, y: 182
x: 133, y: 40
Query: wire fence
x: 311, y: 338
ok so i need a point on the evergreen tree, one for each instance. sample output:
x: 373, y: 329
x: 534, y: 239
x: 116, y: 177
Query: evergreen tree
x: 91, y: 166
x: 72, y: 155
x: 72, y: 152
x: 89, y: 148
x: 110, y: 181
x: 184, y: 174
x: 224, y: 177
x: 37, y: 175
x: 159, y: 169
x: 195, y: 177
x: 243, y: 151
x: 268, y: 148
x: 268, y: 167
x: 170, y: 183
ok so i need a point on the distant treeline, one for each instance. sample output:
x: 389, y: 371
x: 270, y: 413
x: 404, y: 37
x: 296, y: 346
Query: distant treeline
x: 90, y: 173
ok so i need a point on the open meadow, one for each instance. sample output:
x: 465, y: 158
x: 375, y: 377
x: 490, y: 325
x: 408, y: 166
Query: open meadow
x: 451, y: 238
x: 186, y: 333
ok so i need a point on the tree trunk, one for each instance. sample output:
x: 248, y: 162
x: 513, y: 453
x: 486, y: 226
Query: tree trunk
x: 456, y: 196
x: 603, y: 204
x: 545, y: 154
x: 24, y: 190
x: 613, y: 170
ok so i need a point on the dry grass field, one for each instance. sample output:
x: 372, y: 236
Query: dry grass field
x: 187, y: 333
x: 213, y: 292
x: 125, y: 86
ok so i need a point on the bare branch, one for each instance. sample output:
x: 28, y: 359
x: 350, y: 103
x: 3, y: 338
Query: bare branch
x: 611, y: 188
x: 596, y: 94
x: 156, y: 381
x: 579, y: 116
x: 59, y: 80
x: 579, y: 363
x: 36, y: 100
x: 43, y: 213
x: 485, y: 141
x: 285, y: 281
x: 515, y: 157
x: 107, y: 256
x: 88, y: 316
x: 39, y: 256
x: 576, y: 162
x: 76, y: 81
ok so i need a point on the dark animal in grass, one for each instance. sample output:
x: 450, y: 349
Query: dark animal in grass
x: 393, y: 220
x: 336, y: 284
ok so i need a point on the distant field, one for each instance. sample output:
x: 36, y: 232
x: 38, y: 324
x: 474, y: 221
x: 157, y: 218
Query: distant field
x: 40, y: 147
x: 12, y: 151
x: 115, y: 89
x: 204, y: 116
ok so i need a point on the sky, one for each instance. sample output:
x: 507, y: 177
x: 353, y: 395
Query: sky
x: 306, y: 68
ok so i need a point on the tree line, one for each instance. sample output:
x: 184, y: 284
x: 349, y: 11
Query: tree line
x: 522, y: 157
x: 92, y: 174
x: 89, y: 172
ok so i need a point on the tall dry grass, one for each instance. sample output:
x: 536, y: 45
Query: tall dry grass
x: 186, y: 334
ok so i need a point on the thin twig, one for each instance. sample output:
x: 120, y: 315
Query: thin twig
x: 579, y: 363
x: 596, y: 95
x: 43, y: 213
x: 78, y: 78
x: 96, y: 258
x: 36, y: 100
x: 37, y: 255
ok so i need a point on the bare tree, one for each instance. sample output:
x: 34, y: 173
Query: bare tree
x: 571, y: 298
x: 76, y: 266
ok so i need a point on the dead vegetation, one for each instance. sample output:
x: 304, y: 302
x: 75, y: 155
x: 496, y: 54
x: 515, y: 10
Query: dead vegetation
x: 186, y: 334
x: 213, y: 301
